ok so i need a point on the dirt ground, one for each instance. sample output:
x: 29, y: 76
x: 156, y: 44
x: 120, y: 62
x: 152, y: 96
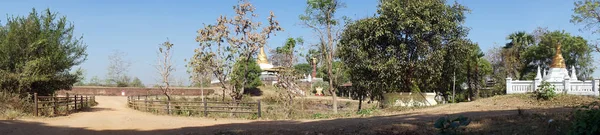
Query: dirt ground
x: 111, y: 116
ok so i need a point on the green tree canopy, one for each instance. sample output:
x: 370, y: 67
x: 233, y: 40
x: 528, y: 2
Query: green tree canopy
x: 402, y: 46
x: 137, y: 83
x: 37, y: 52
x: 253, y: 77
x: 303, y: 69
x: 575, y: 50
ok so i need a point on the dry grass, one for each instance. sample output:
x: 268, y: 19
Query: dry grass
x: 13, y: 106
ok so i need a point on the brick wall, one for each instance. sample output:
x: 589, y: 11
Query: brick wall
x: 116, y: 91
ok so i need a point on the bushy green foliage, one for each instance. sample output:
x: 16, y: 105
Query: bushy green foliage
x: 322, y: 84
x: 545, y: 91
x: 37, y: 52
x: 366, y: 112
x: 320, y: 116
x: 449, y: 126
x: 586, y: 120
x: 303, y: 69
x: 136, y: 83
x: 383, y: 57
x: 253, y: 76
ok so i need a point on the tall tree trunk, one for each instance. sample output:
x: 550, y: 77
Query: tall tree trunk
x: 329, y: 67
x: 360, y: 101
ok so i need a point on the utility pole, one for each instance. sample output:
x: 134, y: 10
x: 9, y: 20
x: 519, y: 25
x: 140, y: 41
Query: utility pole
x: 453, y: 87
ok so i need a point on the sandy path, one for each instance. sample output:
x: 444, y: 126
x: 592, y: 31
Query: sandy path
x: 111, y: 116
x: 112, y: 113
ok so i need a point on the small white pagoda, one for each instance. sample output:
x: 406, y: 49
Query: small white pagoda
x: 559, y: 76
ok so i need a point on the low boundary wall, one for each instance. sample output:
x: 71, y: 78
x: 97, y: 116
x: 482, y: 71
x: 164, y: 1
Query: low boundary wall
x: 128, y: 91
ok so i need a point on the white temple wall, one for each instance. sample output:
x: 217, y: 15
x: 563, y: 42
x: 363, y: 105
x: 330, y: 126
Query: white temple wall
x: 589, y: 88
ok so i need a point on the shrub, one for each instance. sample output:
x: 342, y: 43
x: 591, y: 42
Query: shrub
x: 13, y: 105
x: 545, y: 91
x: 322, y: 84
x: 319, y: 116
x: 586, y: 120
x: 366, y: 112
x: 12, y: 114
x: 446, y: 125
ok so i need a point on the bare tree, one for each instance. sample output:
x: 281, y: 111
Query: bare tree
x: 231, y: 40
x: 287, y: 78
x: 320, y: 17
x: 165, y: 67
x: 118, y: 68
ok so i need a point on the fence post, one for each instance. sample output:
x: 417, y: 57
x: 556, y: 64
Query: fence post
x: 509, y: 86
x: 146, y: 104
x: 54, y: 105
x: 595, y: 87
x: 81, y: 98
x: 205, y: 109
x: 75, y: 104
x: 68, y: 102
x: 259, y: 108
x: 35, y: 100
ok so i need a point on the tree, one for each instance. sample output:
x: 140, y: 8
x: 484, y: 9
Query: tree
x: 498, y: 73
x: 165, y: 67
x: 95, y: 81
x: 137, y: 83
x: 408, y: 39
x: 253, y: 74
x: 80, y: 79
x: 117, y: 69
x: 37, y: 52
x: 513, y: 52
x: 575, y: 50
x: 587, y: 12
x: 477, y: 68
x: 303, y: 69
x: 287, y: 87
x: 231, y: 40
x: 320, y: 17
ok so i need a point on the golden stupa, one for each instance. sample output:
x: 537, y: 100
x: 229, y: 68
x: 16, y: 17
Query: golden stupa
x: 558, y: 61
x: 262, y: 57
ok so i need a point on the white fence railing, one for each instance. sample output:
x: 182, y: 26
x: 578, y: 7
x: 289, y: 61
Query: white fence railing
x: 589, y: 87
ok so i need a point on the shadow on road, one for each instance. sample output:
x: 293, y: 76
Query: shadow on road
x: 395, y: 124
x: 96, y: 109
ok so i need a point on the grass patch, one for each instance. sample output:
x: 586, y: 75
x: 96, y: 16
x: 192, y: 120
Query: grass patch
x: 13, y: 106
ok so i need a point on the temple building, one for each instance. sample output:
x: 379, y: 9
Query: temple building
x: 269, y: 72
x: 559, y: 76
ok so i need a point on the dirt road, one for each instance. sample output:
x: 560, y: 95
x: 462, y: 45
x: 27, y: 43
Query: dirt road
x: 111, y: 116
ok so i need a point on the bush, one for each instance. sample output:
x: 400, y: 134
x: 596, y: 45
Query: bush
x: 586, y: 120
x: 13, y: 105
x: 322, y: 84
x: 319, y: 116
x: 451, y: 126
x: 366, y: 112
x: 545, y: 91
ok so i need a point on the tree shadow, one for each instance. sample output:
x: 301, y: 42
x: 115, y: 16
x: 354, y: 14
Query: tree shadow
x: 97, y: 109
x: 253, y: 91
x: 533, y: 121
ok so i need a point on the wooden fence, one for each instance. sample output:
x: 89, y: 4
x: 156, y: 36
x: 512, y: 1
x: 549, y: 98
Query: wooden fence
x: 56, y: 105
x: 155, y: 104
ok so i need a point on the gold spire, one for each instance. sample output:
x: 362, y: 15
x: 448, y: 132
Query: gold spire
x: 558, y: 61
x: 262, y: 57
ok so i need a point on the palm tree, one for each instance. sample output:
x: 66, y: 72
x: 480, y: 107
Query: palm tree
x: 512, y: 52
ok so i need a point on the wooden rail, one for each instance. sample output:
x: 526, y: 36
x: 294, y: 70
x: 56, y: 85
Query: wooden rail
x: 55, y: 103
x: 147, y: 103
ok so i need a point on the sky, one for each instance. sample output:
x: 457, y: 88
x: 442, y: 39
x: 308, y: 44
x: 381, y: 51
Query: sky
x: 137, y: 27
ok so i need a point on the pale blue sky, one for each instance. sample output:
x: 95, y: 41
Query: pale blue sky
x: 136, y: 27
